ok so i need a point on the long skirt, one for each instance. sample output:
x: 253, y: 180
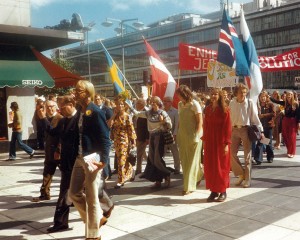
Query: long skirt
x: 289, y: 132
x: 156, y: 169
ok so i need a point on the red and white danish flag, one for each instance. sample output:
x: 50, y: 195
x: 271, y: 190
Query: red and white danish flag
x: 163, y: 83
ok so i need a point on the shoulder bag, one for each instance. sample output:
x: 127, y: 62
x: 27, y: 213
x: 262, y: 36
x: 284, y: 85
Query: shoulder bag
x: 254, y: 133
x: 168, y: 137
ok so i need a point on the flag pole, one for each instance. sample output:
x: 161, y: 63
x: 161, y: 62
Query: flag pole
x: 119, y: 70
x: 179, y: 74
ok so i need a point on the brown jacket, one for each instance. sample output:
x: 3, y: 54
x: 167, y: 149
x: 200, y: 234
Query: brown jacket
x: 266, y: 115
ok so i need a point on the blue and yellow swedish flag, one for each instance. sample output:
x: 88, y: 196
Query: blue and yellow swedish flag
x: 115, y: 73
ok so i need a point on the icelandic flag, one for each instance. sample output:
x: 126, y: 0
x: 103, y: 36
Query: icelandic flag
x: 115, y: 73
x: 230, y: 50
x: 254, y: 82
x: 163, y: 84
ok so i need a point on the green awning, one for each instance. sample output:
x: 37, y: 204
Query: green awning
x: 24, y: 74
x: 19, y: 67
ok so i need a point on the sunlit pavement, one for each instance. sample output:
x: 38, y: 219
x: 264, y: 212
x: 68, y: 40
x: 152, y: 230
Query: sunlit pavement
x: 269, y: 209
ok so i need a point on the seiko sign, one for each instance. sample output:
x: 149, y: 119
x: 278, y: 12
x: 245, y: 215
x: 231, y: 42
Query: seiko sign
x: 32, y: 82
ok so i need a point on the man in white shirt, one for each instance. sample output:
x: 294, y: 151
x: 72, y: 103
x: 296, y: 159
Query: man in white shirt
x: 173, y: 114
x: 243, y: 113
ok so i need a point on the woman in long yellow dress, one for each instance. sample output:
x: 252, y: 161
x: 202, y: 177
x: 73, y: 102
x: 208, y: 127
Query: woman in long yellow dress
x: 188, y: 138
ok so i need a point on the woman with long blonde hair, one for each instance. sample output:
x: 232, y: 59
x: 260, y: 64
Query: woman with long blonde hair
x: 290, y: 122
x: 279, y: 112
x: 266, y: 114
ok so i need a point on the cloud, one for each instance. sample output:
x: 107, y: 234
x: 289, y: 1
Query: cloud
x: 202, y: 6
x: 192, y: 5
x: 41, y: 3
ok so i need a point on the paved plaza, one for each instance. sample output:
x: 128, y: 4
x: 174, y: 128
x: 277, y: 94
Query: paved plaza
x: 270, y: 209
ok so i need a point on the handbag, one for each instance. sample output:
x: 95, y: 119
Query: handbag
x: 254, y: 133
x: 131, y: 158
x: 168, y: 137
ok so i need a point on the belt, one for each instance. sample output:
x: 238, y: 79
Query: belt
x: 239, y: 126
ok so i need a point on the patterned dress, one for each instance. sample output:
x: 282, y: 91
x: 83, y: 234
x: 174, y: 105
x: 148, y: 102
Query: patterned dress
x: 123, y: 134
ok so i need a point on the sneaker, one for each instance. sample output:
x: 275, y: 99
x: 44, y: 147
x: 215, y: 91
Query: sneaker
x: 239, y: 180
x: 32, y: 154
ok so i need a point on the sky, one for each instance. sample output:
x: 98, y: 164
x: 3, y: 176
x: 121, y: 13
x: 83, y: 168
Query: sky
x: 51, y: 12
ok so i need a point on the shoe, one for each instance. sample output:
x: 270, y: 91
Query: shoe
x: 11, y: 159
x: 137, y: 172
x: 239, y: 180
x: 184, y: 193
x: 156, y: 185
x: 119, y: 185
x: 57, y: 228
x: 142, y: 175
x: 32, y: 154
x: 212, y: 197
x: 167, y: 181
x: 258, y: 163
x: 290, y: 156
x: 108, y: 213
x: 246, y: 184
x: 40, y: 198
x: 222, y: 197
x: 198, y: 183
x: 176, y: 172
x: 132, y: 179
x: 103, y: 221
x: 270, y: 160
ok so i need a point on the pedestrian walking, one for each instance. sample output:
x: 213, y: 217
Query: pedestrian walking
x: 16, y: 136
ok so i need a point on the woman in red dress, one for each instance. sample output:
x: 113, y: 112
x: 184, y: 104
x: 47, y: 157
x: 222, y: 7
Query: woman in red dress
x: 217, y: 140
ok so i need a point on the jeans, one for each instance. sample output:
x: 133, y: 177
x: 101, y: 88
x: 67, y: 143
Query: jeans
x: 258, y: 157
x: 17, y: 137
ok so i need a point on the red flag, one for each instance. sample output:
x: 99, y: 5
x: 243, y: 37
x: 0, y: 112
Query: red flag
x: 163, y: 84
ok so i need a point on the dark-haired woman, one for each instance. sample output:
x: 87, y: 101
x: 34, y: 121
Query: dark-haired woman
x: 188, y: 138
x: 217, y: 139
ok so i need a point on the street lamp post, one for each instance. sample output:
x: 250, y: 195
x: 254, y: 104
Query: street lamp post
x: 136, y: 24
x: 86, y: 30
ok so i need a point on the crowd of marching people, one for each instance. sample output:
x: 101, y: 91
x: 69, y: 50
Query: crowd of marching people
x: 204, y: 134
